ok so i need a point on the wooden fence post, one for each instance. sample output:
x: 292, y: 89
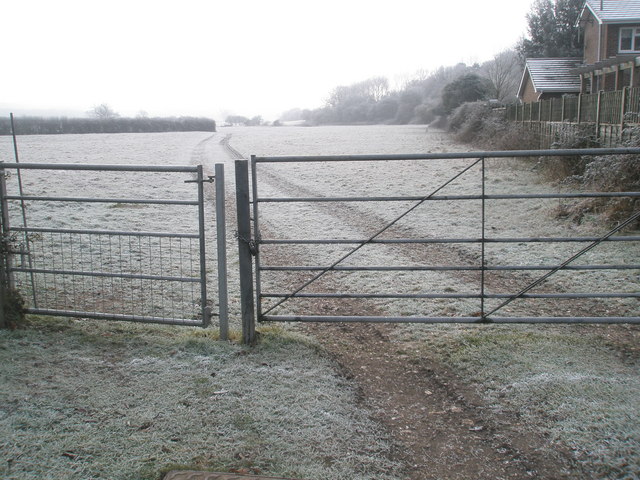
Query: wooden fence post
x: 244, y: 251
x: 579, y: 119
x: 598, y: 115
x: 623, y: 109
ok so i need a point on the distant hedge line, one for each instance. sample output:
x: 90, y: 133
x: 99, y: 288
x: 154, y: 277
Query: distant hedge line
x: 61, y: 125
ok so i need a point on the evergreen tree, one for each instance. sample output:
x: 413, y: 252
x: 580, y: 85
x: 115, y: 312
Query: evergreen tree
x: 552, y: 30
x: 467, y: 88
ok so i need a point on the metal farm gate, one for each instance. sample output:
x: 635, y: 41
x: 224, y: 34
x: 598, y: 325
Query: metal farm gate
x: 476, y: 267
x: 112, y: 242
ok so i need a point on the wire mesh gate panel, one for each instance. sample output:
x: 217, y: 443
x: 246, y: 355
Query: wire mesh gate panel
x: 437, y: 238
x: 107, y: 241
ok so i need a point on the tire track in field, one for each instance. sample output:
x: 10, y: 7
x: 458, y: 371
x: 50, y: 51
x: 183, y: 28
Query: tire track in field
x: 436, y: 254
x: 232, y: 152
x: 199, y: 154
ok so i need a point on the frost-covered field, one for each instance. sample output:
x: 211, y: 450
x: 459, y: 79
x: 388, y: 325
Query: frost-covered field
x: 86, y: 399
x: 568, y: 382
x: 437, y: 219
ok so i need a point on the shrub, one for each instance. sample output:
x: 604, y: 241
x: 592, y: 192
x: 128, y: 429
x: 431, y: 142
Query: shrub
x: 13, y: 306
x: 479, y: 124
x: 467, y: 121
x: 604, y: 173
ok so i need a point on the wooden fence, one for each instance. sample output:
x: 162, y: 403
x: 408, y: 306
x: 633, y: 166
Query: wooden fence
x: 611, y: 118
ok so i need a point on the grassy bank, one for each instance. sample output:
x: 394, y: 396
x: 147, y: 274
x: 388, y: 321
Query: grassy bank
x: 117, y: 401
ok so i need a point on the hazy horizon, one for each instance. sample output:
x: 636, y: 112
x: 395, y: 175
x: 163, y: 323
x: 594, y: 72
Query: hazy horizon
x: 214, y: 58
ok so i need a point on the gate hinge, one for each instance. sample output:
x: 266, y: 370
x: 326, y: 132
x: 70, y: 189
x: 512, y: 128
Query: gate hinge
x: 209, y: 179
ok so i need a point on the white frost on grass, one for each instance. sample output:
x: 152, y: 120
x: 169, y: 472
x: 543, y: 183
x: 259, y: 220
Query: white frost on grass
x: 84, y: 400
x: 435, y: 219
x: 563, y: 381
x: 502, y: 367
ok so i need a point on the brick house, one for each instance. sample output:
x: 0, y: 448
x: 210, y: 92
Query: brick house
x: 611, y: 30
x: 546, y: 78
x: 611, y: 60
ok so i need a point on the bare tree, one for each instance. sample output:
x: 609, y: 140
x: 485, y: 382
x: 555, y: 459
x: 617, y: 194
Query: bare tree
x: 103, y: 111
x: 377, y: 88
x: 504, y: 73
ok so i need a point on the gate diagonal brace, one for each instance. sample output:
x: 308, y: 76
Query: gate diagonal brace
x: 543, y: 278
x: 374, y: 236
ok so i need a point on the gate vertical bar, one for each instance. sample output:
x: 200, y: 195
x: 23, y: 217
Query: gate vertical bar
x: 244, y: 251
x: 24, y: 211
x: 256, y: 233
x: 206, y: 311
x: 221, y: 231
x: 482, y: 256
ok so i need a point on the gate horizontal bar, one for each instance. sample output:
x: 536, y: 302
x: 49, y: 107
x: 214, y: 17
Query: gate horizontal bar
x: 101, y: 200
x: 101, y: 167
x: 105, y: 232
x: 115, y: 316
x: 106, y: 275
x: 446, y: 156
x: 628, y: 238
x: 339, y: 268
x: 480, y: 320
x: 449, y: 295
x: 448, y: 197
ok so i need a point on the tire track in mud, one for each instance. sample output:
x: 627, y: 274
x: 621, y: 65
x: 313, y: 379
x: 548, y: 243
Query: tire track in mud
x: 439, y: 426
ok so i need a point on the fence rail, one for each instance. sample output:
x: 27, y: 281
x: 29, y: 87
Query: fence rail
x: 607, y: 115
x: 613, y: 108
x: 275, y: 296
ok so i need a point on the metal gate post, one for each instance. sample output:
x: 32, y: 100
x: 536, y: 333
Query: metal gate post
x: 7, y: 260
x: 221, y: 229
x: 244, y: 252
x: 206, y: 311
x: 4, y: 253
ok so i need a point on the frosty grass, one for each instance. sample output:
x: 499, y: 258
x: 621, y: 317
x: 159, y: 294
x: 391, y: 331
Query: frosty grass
x: 87, y: 399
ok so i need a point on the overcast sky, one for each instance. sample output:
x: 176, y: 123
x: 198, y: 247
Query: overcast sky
x: 244, y: 57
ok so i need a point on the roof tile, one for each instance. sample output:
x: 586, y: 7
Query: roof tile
x: 615, y: 11
x: 554, y: 74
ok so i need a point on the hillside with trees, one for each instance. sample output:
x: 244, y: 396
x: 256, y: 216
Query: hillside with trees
x: 423, y: 99
x: 433, y: 96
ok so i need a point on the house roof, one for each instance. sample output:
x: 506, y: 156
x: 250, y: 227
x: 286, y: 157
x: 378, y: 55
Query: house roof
x: 613, y: 11
x: 552, y: 75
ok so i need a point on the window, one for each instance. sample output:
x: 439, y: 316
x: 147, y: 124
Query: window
x: 629, y: 39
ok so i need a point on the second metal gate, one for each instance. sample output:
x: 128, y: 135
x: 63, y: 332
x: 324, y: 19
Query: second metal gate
x: 118, y: 242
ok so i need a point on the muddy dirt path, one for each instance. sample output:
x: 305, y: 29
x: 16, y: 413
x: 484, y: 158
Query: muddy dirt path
x: 441, y: 429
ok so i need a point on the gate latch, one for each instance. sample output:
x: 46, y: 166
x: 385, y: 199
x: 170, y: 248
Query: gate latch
x: 251, y: 243
x: 209, y: 179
